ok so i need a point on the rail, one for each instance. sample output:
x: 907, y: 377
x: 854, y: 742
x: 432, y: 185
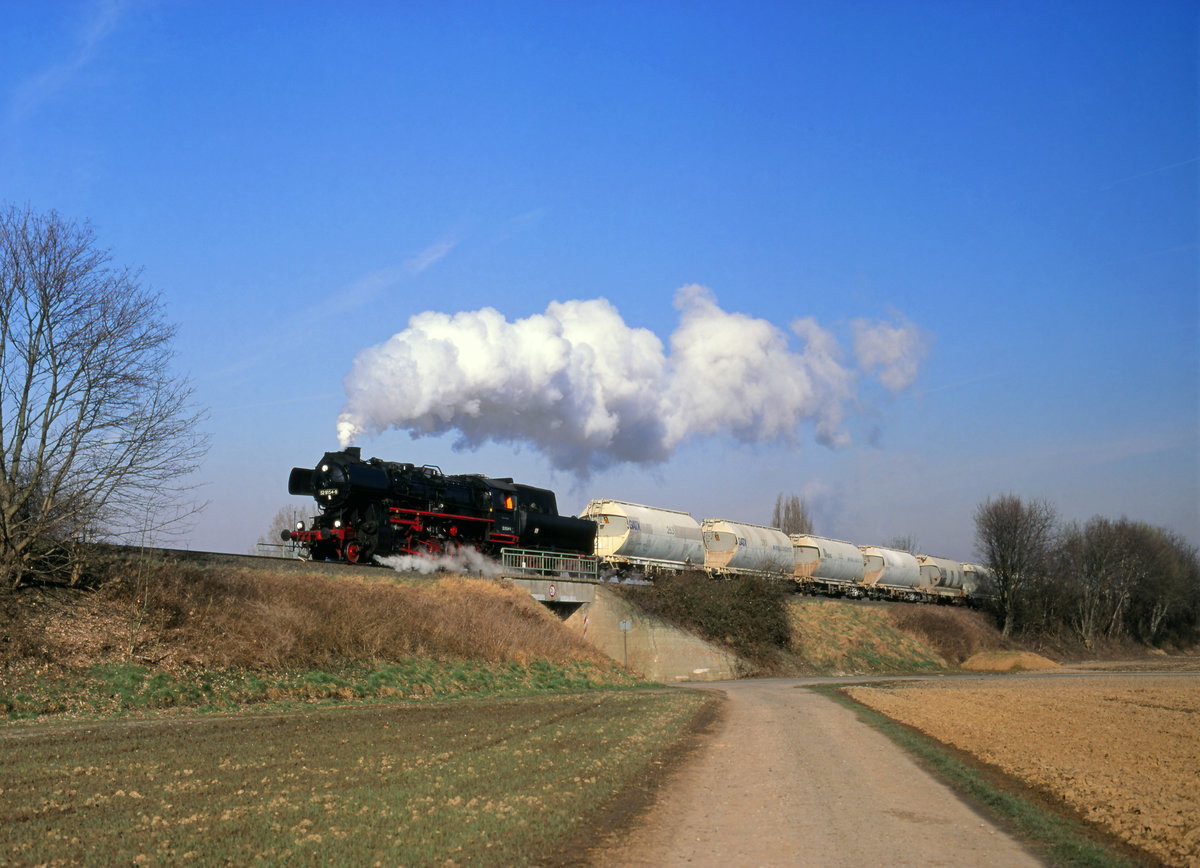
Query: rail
x: 581, y: 568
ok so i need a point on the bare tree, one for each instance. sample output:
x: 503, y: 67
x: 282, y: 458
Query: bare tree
x: 1090, y: 570
x: 1015, y: 540
x: 96, y: 434
x: 1126, y: 578
x: 791, y: 515
x: 285, y: 519
x: 907, y: 543
x: 1157, y: 580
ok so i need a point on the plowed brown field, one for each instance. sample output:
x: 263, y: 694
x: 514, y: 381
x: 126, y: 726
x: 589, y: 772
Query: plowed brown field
x: 1123, y: 751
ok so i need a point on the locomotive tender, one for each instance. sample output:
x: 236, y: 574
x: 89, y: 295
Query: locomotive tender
x: 380, y: 508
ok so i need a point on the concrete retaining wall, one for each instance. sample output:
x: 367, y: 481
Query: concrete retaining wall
x: 656, y: 651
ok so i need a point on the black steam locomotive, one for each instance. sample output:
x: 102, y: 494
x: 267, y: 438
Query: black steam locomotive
x: 375, y: 507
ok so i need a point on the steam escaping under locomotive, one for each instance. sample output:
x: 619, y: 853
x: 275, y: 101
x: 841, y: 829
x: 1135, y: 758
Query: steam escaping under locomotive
x: 379, y: 508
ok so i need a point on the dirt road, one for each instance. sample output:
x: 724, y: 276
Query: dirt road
x: 793, y: 778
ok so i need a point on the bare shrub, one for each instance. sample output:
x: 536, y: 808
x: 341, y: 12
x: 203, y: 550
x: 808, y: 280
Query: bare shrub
x: 746, y: 614
x: 956, y: 634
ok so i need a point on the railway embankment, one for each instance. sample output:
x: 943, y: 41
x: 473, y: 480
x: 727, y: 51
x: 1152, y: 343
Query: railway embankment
x: 716, y: 631
x: 159, y: 633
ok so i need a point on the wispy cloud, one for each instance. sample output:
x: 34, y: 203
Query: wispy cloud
x: 431, y: 255
x: 1150, y: 172
x: 359, y: 294
x: 1109, y: 451
x: 99, y: 21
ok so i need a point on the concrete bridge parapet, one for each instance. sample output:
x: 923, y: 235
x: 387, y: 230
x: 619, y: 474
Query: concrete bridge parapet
x: 551, y: 590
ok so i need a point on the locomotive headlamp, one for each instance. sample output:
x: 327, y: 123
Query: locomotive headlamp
x: 337, y: 522
x: 324, y: 468
x: 299, y: 525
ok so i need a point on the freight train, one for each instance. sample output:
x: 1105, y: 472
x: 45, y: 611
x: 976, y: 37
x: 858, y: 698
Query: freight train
x: 645, y: 540
x: 375, y: 508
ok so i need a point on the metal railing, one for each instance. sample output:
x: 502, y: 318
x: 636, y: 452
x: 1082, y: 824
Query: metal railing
x: 277, y: 550
x: 582, y: 568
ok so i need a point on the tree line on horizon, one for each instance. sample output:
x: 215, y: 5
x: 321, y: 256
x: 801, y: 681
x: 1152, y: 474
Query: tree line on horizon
x: 1103, y: 580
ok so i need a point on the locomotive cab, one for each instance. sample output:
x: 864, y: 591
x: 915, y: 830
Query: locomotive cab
x: 504, y: 511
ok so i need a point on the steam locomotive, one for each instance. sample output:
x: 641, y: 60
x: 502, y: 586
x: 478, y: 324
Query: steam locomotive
x: 380, y: 508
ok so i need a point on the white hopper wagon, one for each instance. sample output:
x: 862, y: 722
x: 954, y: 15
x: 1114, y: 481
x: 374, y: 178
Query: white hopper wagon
x: 977, y: 582
x: 731, y: 547
x: 890, y: 573
x: 942, y: 577
x: 646, y: 538
x: 829, y: 566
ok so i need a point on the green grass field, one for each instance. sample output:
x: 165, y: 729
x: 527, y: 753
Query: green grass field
x: 481, y: 781
x: 128, y: 689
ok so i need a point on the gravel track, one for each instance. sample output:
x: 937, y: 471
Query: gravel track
x: 793, y: 778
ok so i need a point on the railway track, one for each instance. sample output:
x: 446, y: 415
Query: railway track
x: 256, y: 562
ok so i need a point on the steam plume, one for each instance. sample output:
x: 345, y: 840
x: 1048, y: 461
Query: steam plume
x: 461, y: 561
x: 589, y: 391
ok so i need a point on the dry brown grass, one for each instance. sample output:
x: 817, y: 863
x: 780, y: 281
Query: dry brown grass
x: 209, y: 616
x: 956, y: 633
x: 1007, y: 661
x: 838, y: 637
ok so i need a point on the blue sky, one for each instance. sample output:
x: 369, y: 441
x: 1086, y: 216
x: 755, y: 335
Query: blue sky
x: 1018, y: 182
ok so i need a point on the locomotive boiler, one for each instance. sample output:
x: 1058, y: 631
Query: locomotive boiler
x: 377, y: 508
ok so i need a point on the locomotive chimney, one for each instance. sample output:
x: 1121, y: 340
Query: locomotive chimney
x: 354, y: 452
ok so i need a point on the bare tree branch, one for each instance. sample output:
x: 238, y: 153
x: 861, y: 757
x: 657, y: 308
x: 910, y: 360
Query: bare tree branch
x: 97, y: 436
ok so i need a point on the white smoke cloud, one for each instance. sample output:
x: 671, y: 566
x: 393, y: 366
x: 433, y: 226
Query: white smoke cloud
x: 587, y: 390
x: 895, y: 351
